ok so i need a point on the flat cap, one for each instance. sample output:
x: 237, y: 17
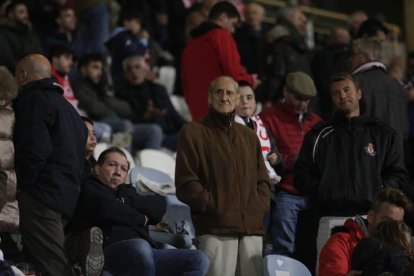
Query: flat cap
x: 301, y: 84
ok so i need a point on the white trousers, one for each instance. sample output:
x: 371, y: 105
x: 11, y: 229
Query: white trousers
x: 229, y: 256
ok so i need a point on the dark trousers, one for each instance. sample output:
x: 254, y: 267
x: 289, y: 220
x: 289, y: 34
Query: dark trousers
x: 306, y: 235
x: 43, y: 237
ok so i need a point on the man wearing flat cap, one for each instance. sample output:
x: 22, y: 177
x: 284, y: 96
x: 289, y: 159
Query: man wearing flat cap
x: 288, y: 121
x: 345, y: 163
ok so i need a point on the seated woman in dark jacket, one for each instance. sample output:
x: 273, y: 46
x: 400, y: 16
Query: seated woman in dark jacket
x: 387, y: 250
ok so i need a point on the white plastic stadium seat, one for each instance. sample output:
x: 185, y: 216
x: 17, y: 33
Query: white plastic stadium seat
x: 166, y: 77
x: 151, y: 180
x: 157, y: 159
x: 181, y: 106
x: 100, y: 147
x: 278, y: 265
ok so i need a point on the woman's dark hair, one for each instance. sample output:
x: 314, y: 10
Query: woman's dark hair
x: 396, y: 234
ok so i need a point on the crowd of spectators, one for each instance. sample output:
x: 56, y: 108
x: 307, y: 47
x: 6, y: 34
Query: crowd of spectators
x: 334, y: 127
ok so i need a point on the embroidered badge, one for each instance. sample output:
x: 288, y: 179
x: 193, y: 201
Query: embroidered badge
x: 370, y: 149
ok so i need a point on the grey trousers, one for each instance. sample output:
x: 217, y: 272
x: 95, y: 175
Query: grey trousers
x: 43, y: 236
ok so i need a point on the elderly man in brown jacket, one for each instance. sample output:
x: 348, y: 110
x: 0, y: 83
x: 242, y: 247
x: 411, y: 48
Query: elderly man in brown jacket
x: 221, y: 175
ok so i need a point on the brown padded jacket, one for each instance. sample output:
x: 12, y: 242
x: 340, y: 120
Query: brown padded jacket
x: 221, y: 175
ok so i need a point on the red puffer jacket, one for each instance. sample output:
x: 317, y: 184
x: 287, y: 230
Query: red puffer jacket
x: 335, y: 257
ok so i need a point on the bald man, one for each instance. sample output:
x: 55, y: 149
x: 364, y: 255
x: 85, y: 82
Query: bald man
x: 49, y: 142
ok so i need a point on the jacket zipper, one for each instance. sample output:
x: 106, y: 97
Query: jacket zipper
x: 243, y: 215
x: 349, y: 147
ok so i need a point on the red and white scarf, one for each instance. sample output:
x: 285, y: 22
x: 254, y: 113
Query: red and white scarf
x: 264, y: 139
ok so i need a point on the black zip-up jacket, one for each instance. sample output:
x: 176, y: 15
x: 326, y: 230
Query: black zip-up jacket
x: 343, y: 164
x: 139, y: 97
x: 383, y: 97
x: 49, y: 140
x: 119, y: 213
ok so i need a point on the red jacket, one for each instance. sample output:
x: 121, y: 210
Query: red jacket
x: 335, y: 257
x: 283, y: 123
x: 210, y: 54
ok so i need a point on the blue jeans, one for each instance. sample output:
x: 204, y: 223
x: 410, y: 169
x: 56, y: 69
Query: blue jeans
x: 120, y: 125
x: 137, y: 257
x: 147, y: 136
x: 283, y: 221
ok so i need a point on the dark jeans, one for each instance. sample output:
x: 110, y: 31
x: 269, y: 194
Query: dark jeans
x: 170, y: 141
x: 137, y: 257
x: 43, y: 237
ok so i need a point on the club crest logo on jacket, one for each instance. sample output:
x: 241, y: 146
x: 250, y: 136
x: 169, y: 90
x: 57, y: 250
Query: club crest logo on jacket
x: 370, y: 149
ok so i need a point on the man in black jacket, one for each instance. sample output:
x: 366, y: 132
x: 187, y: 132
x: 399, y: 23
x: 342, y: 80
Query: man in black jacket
x: 124, y: 217
x: 94, y: 97
x: 150, y: 101
x: 49, y: 142
x: 343, y: 164
x: 286, y: 52
x: 382, y: 96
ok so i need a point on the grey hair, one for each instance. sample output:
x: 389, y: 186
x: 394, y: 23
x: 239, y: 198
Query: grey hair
x: 286, y: 12
x: 371, y: 47
x: 213, y: 84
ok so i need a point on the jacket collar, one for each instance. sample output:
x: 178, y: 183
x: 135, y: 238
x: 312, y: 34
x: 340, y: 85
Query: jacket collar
x: 290, y: 110
x: 358, y: 226
x: 204, y: 27
x: 368, y: 66
x: 43, y: 84
x: 224, y: 121
x: 340, y: 119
